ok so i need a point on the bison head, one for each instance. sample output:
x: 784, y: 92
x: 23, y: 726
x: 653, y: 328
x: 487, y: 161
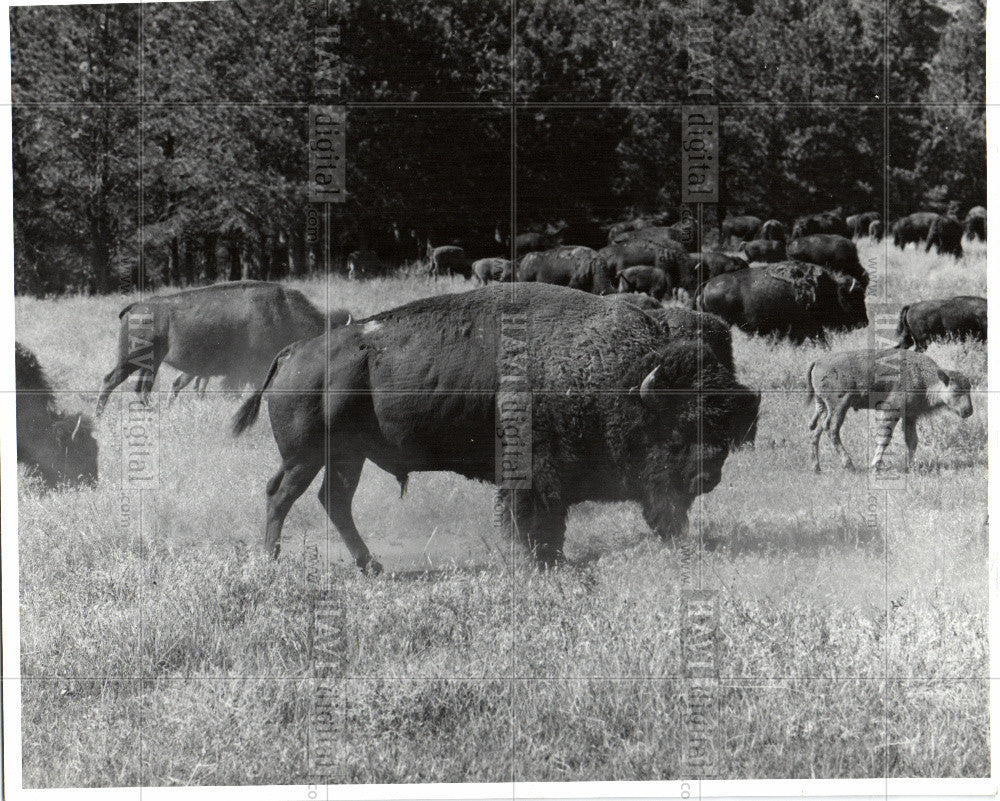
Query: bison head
x: 699, y: 413
x: 954, y: 391
x: 851, y: 298
x: 73, y: 459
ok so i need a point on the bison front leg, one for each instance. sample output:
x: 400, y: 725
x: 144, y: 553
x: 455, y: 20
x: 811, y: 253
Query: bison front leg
x: 834, y: 422
x: 336, y: 494
x: 283, y: 490
x: 540, y: 527
x: 887, y: 417
x: 910, y: 435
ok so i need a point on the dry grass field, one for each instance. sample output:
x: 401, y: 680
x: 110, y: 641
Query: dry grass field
x: 160, y: 647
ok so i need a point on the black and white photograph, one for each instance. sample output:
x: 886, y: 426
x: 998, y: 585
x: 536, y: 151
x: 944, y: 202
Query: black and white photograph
x: 496, y: 399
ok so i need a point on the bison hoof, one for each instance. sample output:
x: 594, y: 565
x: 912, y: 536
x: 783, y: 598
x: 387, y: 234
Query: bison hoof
x: 371, y: 567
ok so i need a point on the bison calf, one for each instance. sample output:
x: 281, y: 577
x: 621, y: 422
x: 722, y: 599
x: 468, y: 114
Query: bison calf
x: 898, y: 384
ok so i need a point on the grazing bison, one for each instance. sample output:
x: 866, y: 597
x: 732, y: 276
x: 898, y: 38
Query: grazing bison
x: 671, y: 257
x: 945, y: 234
x: 791, y: 299
x: 493, y: 269
x: 230, y: 330
x: 59, y: 447
x: 573, y: 266
x: 418, y: 388
x: 826, y: 222
x: 963, y: 317
x: 831, y: 251
x: 860, y: 224
x: 772, y: 229
x: 361, y: 263
x: 644, y: 278
x: 740, y: 229
x: 765, y: 250
x: 899, y: 384
x: 450, y: 260
x: 975, y: 223
x: 912, y: 228
x: 876, y: 230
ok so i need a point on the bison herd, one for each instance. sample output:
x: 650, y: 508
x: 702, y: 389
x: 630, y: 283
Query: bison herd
x: 630, y: 398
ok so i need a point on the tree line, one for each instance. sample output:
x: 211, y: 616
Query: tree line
x: 168, y: 143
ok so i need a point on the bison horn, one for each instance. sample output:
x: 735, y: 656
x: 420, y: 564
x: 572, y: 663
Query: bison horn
x: 648, y: 385
x: 79, y: 420
x: 349, y: 319
x: 851, y: 286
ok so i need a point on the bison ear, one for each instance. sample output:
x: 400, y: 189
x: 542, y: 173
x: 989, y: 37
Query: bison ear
x: 944, y: 378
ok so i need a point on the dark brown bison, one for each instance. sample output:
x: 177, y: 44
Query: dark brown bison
x: 774, y: 230
x: 59, y: 447
x: 493, y: 269
x: 741, y: 228
x: 616, y: 412
x: 913, y: 228
x: 230, y: 330
x: 945, y: 234
x: 573, y: 266
x: 897, y: 384
x: 860, y: 224
x: 791, y: 299
x: 646, y: 279
x: 671, y: 257
x: 826, y: 222
x: 962, y: 317
x: 975, y: 223
x: 764, y: 250
x: 831, y: 251
x: 449, y: 260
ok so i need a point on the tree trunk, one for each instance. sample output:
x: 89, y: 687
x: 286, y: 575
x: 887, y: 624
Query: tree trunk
x: 211, y: 264
x: 297, y: 261
x: 235, y: 259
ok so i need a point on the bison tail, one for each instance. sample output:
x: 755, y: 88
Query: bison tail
x: 901, y: 325
x: 247, y: 413
x: 125, y: 311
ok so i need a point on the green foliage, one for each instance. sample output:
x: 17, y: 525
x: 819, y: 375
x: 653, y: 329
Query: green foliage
x: 207, y: 178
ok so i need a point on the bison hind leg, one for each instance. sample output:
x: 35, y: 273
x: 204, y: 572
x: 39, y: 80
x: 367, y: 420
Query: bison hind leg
x: 336, y: 494
x: 284, y: 489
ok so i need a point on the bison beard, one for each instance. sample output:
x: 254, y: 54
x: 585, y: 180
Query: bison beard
x: 415, y: 389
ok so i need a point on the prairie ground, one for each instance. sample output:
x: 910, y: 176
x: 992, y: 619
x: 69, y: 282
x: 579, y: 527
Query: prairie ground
x: 847, y: 623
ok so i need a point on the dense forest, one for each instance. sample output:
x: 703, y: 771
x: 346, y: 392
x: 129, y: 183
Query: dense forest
x: 167, y: 143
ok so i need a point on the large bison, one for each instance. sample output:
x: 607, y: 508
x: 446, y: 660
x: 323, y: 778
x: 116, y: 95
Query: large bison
x: 616, y: 413
x: 860, y: 224
x: 764, y: 250
x: 230, y: 330
x: 913, y: 228
x: 571, y: 265
x: 741, y: 228
x: 962, y: 317
x: 449, y: 260
x: 898, y: 384
x: 669, y: 256
x: 975, y: 223
x: 682, y: 233
x: 532, y: 241
x: 945, y: 234
x: 364, y: 263
x: 832, y: 251
x: 59, y: 447
x: 825, y: 222
x: 792, y: 299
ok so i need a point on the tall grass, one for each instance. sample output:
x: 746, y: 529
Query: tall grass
x: 160, y: 647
